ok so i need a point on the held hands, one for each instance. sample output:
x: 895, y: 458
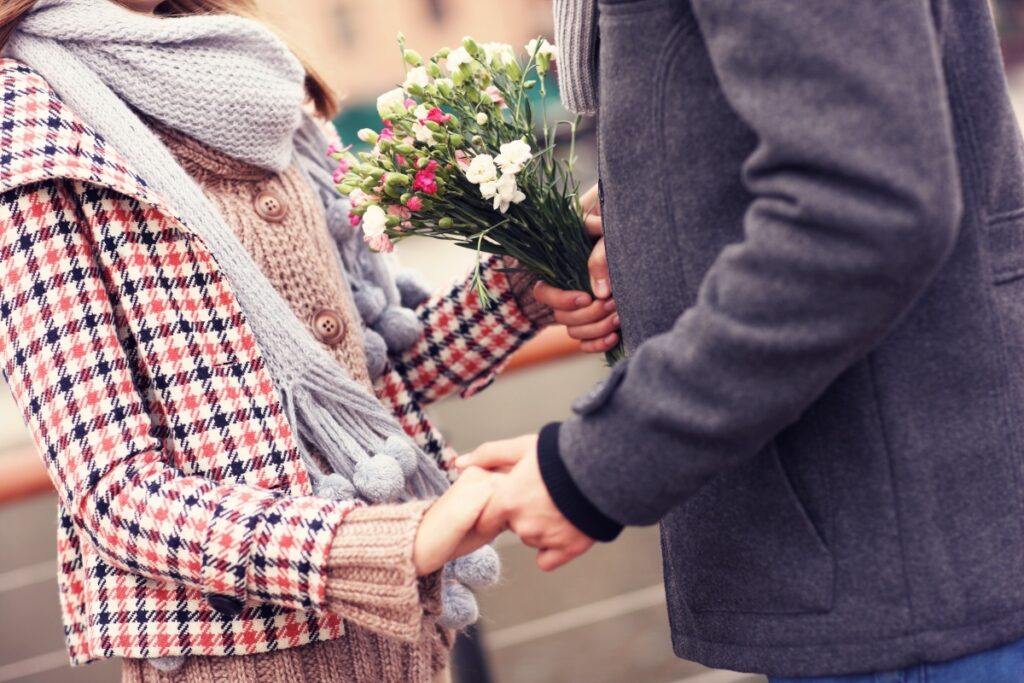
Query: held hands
x: 520, y: 502
x: 591, y: 319
x: 449, y: 528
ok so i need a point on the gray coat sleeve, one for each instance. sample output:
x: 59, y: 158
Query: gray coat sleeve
x: 856, y: 205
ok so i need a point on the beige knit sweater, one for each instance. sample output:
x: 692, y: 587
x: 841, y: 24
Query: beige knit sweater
x: 391, y: 632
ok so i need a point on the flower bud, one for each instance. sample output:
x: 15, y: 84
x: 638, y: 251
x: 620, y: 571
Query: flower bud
x: 446, y: 222
x: 481, y: 119
x: 456, y: 140
x: 406, y: 197
x: 405, y: 148
x: 472, y: 47
x: 529, y: 84
x: 344, y: 188
x: 513, y: 71
x: 433, y: 126
x: 442, y: 53
x: 476, y: 141
x: 433, y: 70
x: 367, y: 135
x: 398, y: 180
x: 393, y: 221
x: 413, y: 58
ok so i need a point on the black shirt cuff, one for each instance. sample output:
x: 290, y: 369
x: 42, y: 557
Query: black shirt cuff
x: 568, y: 498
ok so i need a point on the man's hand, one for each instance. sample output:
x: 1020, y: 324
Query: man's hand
x: 521, y: 502
x: 592, y: 320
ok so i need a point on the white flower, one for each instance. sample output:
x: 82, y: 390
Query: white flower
x: 416, y: 77
x: 506, y: 192
x: 422, y: 133
x: 513, y: 156
x: 447, y: 82
x: 503, y: 51
x: 420, y: 112
x: 358, y: 197
x: 457, y: 58
x: 481, y: 169
x: 374, y: 221
x: 481, y: 119
x: 391, y: 103
x: 541, y: 47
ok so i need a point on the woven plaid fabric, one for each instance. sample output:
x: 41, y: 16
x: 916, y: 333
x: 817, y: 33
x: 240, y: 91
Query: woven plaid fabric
x: 143, y: 388
x: 464, y: 346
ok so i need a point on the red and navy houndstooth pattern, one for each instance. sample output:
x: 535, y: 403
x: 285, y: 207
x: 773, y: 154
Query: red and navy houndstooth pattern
x: 177, y: 473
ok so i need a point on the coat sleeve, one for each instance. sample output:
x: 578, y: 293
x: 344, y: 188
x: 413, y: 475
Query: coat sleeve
x: 465, y: 342
x: 71, y: 370
x: 856, y: 204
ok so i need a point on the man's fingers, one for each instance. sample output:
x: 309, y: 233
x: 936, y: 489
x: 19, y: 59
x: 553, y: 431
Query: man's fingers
x: 496, y: 455
x: 597, y: 330
x: 560, y: 299
x: 600, y: 282
x: 549, y: 559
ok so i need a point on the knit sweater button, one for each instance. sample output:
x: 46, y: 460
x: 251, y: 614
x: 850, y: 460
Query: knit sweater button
x: 270, y: 207
x: 327, y: 326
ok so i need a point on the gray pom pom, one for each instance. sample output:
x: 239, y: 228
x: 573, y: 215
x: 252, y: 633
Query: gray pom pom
x: 167, y: 664
x: 336, y: 487
x: 400, y: 328
x: 370, y: 302
x: 404, y: 453
x: 458, y: 607
x: 376, y: 353
x: 412, y: 290
x: 480, y: 569
x: 379, y: 479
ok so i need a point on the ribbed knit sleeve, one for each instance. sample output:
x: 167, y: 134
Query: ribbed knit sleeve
x: 371, y: 580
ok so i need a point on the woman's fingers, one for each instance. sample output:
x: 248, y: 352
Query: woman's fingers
x: 594, y: 225
x: 590, y: 201
x: 598, y: 310
x: 600, y: 282
x: 606, y: 343
x: 446, y: 527
x: 598, y: 330
x: 560, y: 299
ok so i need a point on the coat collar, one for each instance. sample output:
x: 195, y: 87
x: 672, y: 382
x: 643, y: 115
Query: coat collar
x: 42, y: 139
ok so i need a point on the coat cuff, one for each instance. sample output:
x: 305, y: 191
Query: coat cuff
x: 568, y: 498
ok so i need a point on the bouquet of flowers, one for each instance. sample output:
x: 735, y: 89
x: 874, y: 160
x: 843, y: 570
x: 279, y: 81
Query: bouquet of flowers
x: 458, y: 158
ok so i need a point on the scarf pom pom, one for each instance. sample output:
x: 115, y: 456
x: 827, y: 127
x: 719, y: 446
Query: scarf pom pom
x: 458, y: 607
x: 412, y: 290
x: 167, y: 664
x: 336, y: 487
x: 379, y: 479
x: 370, y: 302
x: 376, y: 351
x: 479, y: 569
x: 400, y: 328
x: 404, y: 453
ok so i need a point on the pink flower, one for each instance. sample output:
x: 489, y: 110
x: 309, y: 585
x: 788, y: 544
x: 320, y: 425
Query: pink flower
x: 414, y: 203
x: 355, y: 219
x: 409, y: 103
x: 381, y: 243
x: 386, y: 133
x: 426, y: 179
x: 462, y: 159
x: 401, y: 160
x: 332, y: 149
x: 340, y: 172
x: 437, y: 116
x: 402, y: 212
x: 495, y: 95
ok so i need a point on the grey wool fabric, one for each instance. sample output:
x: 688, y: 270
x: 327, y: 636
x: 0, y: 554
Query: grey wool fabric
x: 230, y: 83
x: 814, y: 214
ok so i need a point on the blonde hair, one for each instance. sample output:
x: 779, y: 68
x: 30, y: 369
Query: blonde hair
x: 324, y: 100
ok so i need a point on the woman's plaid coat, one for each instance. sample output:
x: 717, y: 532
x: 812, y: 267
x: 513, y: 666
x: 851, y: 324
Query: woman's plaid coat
x: 180, y: 486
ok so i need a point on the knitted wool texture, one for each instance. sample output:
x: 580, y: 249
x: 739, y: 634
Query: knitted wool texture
x: 101, y: 57
x: 576, y: 36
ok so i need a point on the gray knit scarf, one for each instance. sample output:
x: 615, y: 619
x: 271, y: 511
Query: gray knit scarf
x: 231, y: 84
x: 577, y: 39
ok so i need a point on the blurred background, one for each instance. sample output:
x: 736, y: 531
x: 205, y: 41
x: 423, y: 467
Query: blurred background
x: 601, y: 619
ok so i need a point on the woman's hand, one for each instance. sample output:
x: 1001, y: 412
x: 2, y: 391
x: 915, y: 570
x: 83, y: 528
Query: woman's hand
x: 448, y: 529
x: 591, y: 319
